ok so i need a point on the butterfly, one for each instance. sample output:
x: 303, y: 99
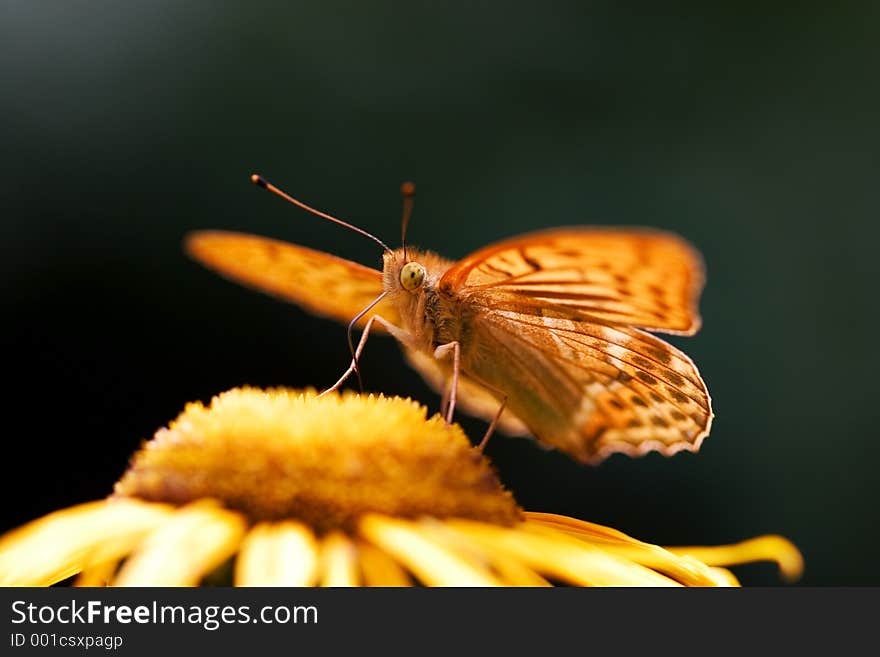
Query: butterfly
x: 544, y: 334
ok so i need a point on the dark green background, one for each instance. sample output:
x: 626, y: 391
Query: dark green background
x: 752, y: 131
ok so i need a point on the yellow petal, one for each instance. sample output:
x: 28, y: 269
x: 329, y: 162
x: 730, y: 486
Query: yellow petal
x: 725, y: 577
x: 689, y: 572
x: 430, y: 560
x: 63, y: 543
x: 511, y: 571
x: 97, y: 574
x: 583, y: 529
x: 379, y: 568
x: 278, y: 554
x: 339, y: 566
x: 197, y: 539
x: 762, y: 548
x: 560, y: 557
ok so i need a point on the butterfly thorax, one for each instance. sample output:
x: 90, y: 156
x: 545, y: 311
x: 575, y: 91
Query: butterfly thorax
x: 424, y: 313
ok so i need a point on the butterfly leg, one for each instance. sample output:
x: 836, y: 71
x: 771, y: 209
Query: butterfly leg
x: 444, y: 400
x: 397, y: 332
x: 441, y: 352
x: 494, y: 423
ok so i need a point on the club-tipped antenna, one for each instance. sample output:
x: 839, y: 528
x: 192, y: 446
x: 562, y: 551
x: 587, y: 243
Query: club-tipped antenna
x: 259, y: 181
x: 408, y: 192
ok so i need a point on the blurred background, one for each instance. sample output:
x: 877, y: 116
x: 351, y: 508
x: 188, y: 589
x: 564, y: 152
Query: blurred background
x: 751, y: 130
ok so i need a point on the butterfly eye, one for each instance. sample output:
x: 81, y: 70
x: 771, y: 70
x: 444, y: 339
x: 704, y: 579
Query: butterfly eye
x: 412, y: 276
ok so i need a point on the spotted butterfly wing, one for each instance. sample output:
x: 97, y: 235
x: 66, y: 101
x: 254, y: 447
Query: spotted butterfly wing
x: 553, y: 320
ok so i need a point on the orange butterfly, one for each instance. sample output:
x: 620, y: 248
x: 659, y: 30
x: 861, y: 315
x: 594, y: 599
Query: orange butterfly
x: 543, y: 334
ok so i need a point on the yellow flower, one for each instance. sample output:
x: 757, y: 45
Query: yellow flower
x: 289, y: 488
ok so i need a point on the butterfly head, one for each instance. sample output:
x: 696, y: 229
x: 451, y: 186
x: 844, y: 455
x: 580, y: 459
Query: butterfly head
x: 412, y: 273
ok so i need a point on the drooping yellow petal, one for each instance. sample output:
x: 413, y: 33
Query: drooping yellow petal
x: 725, y: 577
x: 63, y: 543
x: 278, y: 554
x: 339, y: 564
x: 689, y: 572
x: 199, y: 537
x: 583, y: 529
x: 379, y: 568
x: 434, y: 563
x: 762, y: 548
x: 562, y: 558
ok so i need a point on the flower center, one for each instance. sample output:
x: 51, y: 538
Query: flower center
x: 280, y: 454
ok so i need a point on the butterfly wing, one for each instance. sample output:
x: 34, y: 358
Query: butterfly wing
x: 590, y: 388
x: 631, y: 277
x: 318, y: 282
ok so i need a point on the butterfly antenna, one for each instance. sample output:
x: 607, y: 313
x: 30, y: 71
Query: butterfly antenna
x: 408, y: 192
x: 259, y: 181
